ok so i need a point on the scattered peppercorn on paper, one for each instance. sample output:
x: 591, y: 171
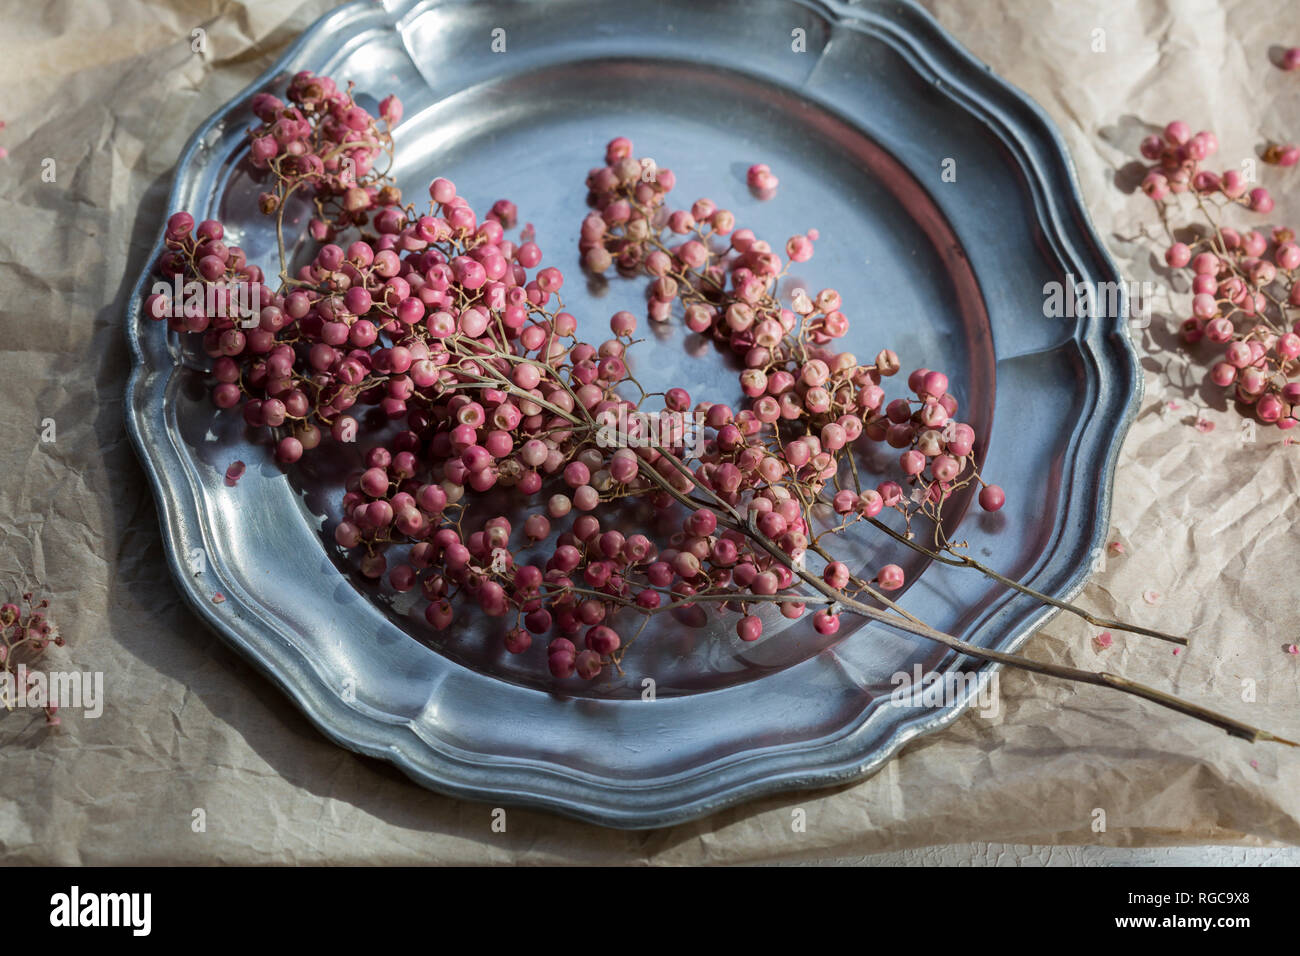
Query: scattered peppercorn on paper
x: 1204, y: 520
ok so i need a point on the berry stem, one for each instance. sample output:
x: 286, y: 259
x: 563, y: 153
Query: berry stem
x: 1228, y: 724
x: 957, y: 560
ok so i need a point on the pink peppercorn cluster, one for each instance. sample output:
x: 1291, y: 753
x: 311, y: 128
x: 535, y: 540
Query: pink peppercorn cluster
x: 627, y: 195
x: 198, y: 255
x: 1178, y: 155
x: 1243, y: 284
x: 25, y: 633
x: 454, y: 339
x: 807, y: 404
x: 323, y: 142
x: 726, y: 280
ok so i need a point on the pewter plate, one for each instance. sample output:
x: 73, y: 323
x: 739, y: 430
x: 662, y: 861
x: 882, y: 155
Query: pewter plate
x: 859, y: 109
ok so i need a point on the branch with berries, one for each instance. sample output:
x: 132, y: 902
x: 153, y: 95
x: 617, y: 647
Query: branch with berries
x: 25, y: 633
x: 1245, y: 297
x: 633, y: 503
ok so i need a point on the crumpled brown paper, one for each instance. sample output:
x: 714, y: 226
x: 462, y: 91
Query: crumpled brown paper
x: 110, y: 92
